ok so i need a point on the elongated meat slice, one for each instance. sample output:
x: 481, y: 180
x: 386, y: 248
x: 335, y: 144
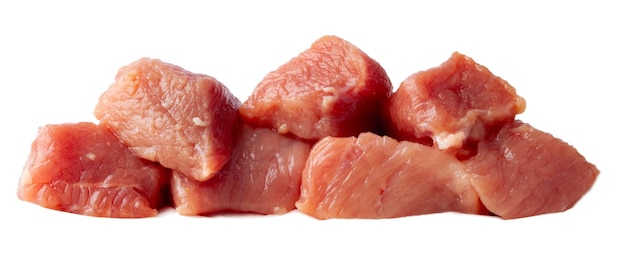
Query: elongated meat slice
x: 169, y: 115
x: 378, y: 177
x: 331, y: 89
x: 263, y: 176
x: 448, y: 105
x: 523, y: 171
x: 83, y: 168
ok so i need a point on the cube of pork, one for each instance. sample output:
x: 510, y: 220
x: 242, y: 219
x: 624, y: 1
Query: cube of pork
x: 331, y: 89
x: 523, y: 171
x: 165, y: 114
x: 378, y: 177
x: 447, y: 106
x: 263, y: 176
x: 83, y: 168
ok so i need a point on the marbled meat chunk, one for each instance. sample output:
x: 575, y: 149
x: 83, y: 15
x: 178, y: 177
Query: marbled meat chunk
x: 449, y: 105
x: 331, y: 89
x: 378, y: 177
x: 263, y: 176
x: 166, y: 114
x: 83, y: 168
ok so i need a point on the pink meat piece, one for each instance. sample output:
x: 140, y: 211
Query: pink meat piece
x: 378, y: 177
x: 166, y: 114
x: 83, y: 168
x: 523, y: 172
x: 449, y: 105
x: 331, y: 89
x: 263, y: 176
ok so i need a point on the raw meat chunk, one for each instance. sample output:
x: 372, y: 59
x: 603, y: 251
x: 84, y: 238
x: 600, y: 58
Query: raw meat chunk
x: 165, y: 114
x: 378, y: 177
x: 83, y: 168
x: 330, y: 89
x: 263, y: 176
x: 448, y: 105
x: 523, y: 171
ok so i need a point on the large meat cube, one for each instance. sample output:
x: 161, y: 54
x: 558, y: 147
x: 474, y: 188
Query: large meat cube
x: 263, y: 176
x: 83, y: 168
x: 165, y: 114
x: 523, y: 171
x: 331, y: 89
x: 378, y: 177
x: 449, y: 105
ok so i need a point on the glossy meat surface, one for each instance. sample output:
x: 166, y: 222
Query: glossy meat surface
x: 523, y: 171
x: 83, y: 168
x: 378, y: 177
x: 166, y: 114
x: 263, y: 176
x: 448, y: 105
x: 331, y: 89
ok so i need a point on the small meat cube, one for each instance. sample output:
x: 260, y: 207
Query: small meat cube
x: 447, y: 106
x: 523, y: 171
x: 263, y: 176
x: 165, y: 114
x: 378, y: 177
x: 83, y: 168
x: 331, y: 89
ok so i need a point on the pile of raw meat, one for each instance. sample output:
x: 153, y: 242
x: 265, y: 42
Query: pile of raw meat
x: 324, y: 134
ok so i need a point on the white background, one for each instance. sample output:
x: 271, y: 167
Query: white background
x: 566, y: 59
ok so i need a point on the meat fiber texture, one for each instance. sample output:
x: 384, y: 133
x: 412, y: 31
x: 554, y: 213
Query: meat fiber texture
x: 378, y: 177
x: 83, y: 168
x: 324, y: 133
x: 331, y: 89
x: 464, y: 110
x: 449, y: 105
x: 518, y: 172
x: 182, y: 120
x: 522, y: 171
x: 263, y: 176
x: 464, y: 113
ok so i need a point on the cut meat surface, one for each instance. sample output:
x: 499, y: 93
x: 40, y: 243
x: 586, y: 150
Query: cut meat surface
x: 331, y: 89
x: 263, y: 176
x: 180, y: 119
x: 378, y: 177
x: 83, y: 168
x: 324, y: 133
x: 451, y: 104
x: 523, y: 171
